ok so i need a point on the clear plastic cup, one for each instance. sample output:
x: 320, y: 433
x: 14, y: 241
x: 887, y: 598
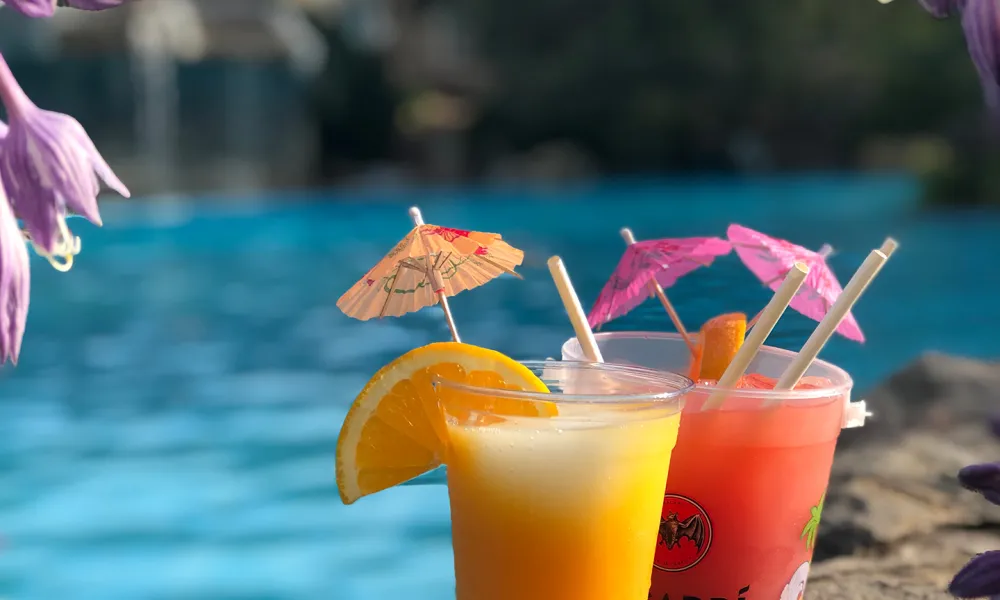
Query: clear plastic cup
x: 747, y: 482
x: 557, y: 496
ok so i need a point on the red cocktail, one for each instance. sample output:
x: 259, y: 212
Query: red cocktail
x: 747, y: 481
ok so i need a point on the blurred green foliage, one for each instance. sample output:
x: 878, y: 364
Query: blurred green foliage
x: 647, y: 84
x: 654, y: 85
x: 355, y: 106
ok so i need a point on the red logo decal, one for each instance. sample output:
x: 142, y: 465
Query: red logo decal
x: 448, y: 233
x: 685, y: 534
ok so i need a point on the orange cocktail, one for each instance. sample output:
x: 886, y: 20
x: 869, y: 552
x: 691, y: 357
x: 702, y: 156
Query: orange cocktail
x: 565, y: 506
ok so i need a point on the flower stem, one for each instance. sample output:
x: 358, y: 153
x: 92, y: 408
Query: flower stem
x: 13, y: 97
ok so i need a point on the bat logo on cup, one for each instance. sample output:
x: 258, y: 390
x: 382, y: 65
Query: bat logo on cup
x: 673, y: 530
x: 684, y: 536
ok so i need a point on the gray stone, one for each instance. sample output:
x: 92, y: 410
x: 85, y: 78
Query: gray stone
x: 896, y: 523
x: 935, y: 392
x: 916, y: 569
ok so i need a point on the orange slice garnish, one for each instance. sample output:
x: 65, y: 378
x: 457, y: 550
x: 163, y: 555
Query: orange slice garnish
x: 719, y: 341
x: 395, y: 430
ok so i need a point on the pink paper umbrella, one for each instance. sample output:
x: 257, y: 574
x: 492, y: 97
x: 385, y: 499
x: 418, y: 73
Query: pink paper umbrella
x: 770, y: 259
x: 648, y: 267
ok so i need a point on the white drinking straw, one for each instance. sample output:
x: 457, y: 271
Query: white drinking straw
x: 578, y: 318
x: 824, y: 331
x: 888, y: 247
x: 768, y: 319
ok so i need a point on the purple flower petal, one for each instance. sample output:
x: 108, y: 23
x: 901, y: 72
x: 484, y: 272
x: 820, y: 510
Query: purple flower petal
x: 981, y: 22
x: 943, y: 8
x: 979, y: 578
x: 15, y: 284
x: 985, y: 479
x: 50, y: 168
x: 33, y: 8
x: 91, y: 4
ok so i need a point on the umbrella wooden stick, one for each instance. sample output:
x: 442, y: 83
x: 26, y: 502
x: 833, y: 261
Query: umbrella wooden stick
x: 435, y: 277
x: 657, y: 290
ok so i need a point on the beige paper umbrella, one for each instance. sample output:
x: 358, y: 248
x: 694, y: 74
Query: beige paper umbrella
x: 426, y: 267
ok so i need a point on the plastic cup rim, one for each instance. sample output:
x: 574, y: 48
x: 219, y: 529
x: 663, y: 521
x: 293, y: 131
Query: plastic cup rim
x: 834, y: 391
x: 676, y: 386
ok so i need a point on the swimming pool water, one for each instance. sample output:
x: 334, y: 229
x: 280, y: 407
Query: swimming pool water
x: 170, y: 431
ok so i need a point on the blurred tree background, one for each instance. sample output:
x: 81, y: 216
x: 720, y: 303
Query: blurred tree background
x: 514, y: 90
x: 644, y: 83
x: 638, y: 86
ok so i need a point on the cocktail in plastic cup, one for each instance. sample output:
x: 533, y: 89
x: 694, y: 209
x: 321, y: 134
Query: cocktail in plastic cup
x: 747, y: 481
x: 562, y: 506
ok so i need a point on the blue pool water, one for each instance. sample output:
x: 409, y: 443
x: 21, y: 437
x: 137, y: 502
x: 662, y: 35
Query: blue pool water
x: 170, y: 431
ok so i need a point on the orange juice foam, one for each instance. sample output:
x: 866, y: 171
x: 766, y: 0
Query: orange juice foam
x: 557, y: 509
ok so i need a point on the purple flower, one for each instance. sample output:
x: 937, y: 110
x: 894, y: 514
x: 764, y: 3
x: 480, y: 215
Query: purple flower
x: 943, y: 8
x: 49, y: 167
x: 982, y: 35
x: 33, y: 8
x: 91, y: 4
x: 15, y: 284
x: 984, y: 478
x: 46, y: 8
x: 980, y: 578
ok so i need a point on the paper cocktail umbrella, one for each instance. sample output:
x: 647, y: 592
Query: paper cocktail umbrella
x: 647, y: 268
x: 429, y: 265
